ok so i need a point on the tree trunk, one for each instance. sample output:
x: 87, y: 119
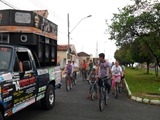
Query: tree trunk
x: 132, y: 64
x: 156, y: 57
x: 148, y: 67
x: 156, y: 70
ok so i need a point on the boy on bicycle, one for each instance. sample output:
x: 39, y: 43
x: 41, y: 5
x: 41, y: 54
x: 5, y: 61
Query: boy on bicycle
x: 103, y: 71
x: 92, y: 80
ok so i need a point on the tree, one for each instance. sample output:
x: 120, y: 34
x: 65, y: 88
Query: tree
x: 123, y: 55
x: 138, y: 21
x: 141, y: 54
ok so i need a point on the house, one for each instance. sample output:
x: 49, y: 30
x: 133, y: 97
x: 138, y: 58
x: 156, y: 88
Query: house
x: 85, y: 56
x: 63, y: 55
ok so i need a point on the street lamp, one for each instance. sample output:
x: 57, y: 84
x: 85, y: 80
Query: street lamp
x: 72, y: 31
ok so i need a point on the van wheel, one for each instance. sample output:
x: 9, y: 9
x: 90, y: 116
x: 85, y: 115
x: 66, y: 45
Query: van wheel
x: 1, y: 116
x: 48, y: 101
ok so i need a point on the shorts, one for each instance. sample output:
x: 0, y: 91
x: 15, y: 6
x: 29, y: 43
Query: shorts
x: 116, y: 79
x: 107, y: 83
x: 68, y: 74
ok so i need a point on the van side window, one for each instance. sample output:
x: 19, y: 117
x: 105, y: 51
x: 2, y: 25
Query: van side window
x: 16, y: 66
x: 23, y: 56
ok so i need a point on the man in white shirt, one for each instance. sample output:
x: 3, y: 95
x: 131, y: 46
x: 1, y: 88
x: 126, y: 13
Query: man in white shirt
x: 74, y: 67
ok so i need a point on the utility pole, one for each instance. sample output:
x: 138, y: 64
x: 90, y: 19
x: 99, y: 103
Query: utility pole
x: 68, y: 55
x: 96, y: 49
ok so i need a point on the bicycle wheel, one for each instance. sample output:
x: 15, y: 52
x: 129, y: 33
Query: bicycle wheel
x: 116, y: 91
x: 120, y: 87
x: 101, y: 100
x: 92, y: 92
x: 83, y: 77
x: 67, y: 84
x: 71, y: 83
x: 106, y: 97
x: 74, y: 79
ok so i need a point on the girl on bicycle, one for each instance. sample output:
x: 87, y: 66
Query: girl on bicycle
x: 92, y: 78
x: 68, y: 69
x: 117, y: 73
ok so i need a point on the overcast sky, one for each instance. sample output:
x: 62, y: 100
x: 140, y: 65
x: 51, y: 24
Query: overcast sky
x: 90, y: 30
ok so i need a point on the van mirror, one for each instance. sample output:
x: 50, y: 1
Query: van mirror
x: 26, y: 65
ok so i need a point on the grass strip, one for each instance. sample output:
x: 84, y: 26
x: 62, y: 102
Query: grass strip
x: 142, y: 84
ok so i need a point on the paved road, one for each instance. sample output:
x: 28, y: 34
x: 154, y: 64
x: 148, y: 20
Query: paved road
x: 74, y: 105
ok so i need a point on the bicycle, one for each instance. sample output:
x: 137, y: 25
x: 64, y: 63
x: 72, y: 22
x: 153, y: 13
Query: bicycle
x: 92, y: 89
x: 69, y: 83
x: 83, y: 74
x: 103, y: 93
x: 74, y: 78
x: 117, y: 87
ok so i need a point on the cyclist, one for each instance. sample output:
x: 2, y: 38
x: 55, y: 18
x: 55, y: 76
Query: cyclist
x: 74, y: 67
x: 90, y: 66
x: 123, y: 72
x: 103, y: 71
x: 80, y: 69
x: 84, y: 69
x: 92, y: 78
x: 68, y: 69
x: 112, y: 64
x: 117, y: 73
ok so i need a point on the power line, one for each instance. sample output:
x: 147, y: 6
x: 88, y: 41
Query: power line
x: 8, y: 4
x: 38, y: 4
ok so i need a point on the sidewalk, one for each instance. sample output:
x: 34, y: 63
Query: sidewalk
x: 139, y: 99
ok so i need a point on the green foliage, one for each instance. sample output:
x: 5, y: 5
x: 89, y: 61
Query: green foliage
x: 137, y: 26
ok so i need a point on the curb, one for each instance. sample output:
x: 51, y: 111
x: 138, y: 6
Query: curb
x: 139, y: 99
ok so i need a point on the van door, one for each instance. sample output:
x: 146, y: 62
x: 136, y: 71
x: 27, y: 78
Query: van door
x: 25, y: 85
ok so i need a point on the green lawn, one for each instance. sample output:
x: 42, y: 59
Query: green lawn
x: 143, y: 85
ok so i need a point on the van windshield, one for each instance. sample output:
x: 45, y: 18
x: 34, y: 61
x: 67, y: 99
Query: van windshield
x: 5, y: 57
